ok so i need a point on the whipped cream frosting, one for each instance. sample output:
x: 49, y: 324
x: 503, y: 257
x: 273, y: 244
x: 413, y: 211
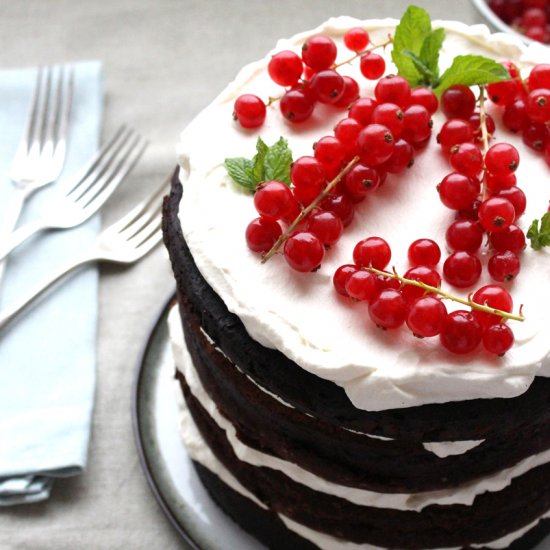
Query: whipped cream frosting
x: 463, y: 494
x: 300, y: 314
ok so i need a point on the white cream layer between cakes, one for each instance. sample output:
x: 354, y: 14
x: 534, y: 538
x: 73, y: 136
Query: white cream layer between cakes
x: 462, y: 494
x: 200, y: 452
x: 300, y: 314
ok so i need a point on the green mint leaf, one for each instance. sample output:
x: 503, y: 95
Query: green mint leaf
x: 269, y: 163
x: 540, y: 235
x: 277, y: 162
x: 426, y: 75
x: 411, y: 32
x: 240, y: 170
x: 470, y: 70
x: 429, y: 53
x: 258, y: 170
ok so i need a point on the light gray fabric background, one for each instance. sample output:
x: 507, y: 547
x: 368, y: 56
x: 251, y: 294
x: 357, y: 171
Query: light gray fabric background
x: 164, y: 60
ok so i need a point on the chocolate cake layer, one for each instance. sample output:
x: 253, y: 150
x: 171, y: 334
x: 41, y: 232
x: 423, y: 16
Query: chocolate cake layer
x: 269, y: 529
x: 466, y: 420
x: 336, y: 454
x: 493, y: 514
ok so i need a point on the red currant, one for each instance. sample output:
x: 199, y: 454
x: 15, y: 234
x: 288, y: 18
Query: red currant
x: 464, y: 235
x: 458, y: 191
x: 327, y: 226
x: 362, y: 286
x: 454, y: 132
x: 296, y: 106
x: 361, y: 110
x: 503, y: 266
x: 538, y: 105
x: 461, y: 332
x: 393, y: 89
x: 372, y: 252
x: 361, y: 179
x: 539, y: 77
x: 327, y: 86
x: 535, y: 136
x: 503, y: 93
x: 389, y: 309
x: 417, y: 124
x: 502, y: 159
x: 498, y: 183
x: 285, y: 68
x: 517, y: 197
x: 458, y: 102
x: 341, y: 276
x: 261, y: 234
x: 467, y: 159
x: 424, y: 252
x: 307, y: 171
x: 391, y: 116
x: 475, y: 123
x: 350, y: 93
x: 341, y: 205
x: 515, y: 116
x: 496, y: 214
x: 249, y: 110
x: 423, y: 274
x: 462, y: 269
x: 346, y: 132
x: 304, y: 251
x: 512, y: 238
x: 372, y: 65
x: 498, y: 338
x: 493, y: 296
x: 401, y: 158
x: 319, y: 52
x: 273, y: 200
x: 329, y: 151
x: 426, y: 316
x: 375, y: 144
x: 426, y: 98
x: 356, y: 39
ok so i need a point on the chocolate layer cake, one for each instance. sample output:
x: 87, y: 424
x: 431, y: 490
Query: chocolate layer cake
x: 345, y: 438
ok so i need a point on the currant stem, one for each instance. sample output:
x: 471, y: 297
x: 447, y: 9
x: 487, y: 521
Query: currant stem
x: 447, y: 296
x: 484, y: 135
x: 308, y: 209
x: 366, y: 50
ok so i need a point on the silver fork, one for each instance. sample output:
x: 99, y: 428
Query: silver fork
x: 88, y: 191
x: 124, y: 242
x: 41, y: 152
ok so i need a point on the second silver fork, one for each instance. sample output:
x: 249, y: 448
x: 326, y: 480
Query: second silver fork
x: 87, y: 192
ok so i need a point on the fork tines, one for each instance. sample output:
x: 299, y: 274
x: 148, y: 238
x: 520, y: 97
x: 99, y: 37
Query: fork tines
x: 107, y: 168
x: 47, y: 125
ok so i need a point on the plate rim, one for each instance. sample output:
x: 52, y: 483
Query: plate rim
x: 136, y: 427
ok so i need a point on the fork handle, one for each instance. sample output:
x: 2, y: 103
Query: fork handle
x: 13, y: 311
x: 10, y: 220
x: 19, y: 236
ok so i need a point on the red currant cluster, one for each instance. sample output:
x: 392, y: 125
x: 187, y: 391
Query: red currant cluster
x: 378, y: 137
x: 530, y: 17
x: 481, y: 189
x: 526, y: 105
x: 321, y: 82
x: 415, y: 298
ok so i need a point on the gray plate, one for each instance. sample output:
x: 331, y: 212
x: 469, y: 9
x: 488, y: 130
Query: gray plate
x: 169, y: 471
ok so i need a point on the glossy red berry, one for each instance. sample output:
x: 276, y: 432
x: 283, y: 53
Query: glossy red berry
x: 517, y: 197
x: 361, y: 110
x: 329, y: 151
x: 296, y: 106
x: 327, y: 86
x: 462, y: 269
x: 458, y: 191
x: 362, y: 285
x: 346, y: 132
x: 475, y: 123
x: 496, y: 214
x: 393, y: 89
x: 503, y: 266
x: 426, y: 98
x: 341, y: 277
x: 498, y: 338
x: 503, y: 93
x: 465, y: 235
x: 372, y: 252
x: 423, y: 274
x: 512, y: 238
x: 389, y: 309
x: 454, y: 132
x: 273, y: 200
x: 341, y: 205
x: 261, y: 234
x: 535, y: 135
x: 285, y: 68
x: 538, y: 105
x: 502, y: 159
x: 426, y: 316
x: 539, y: 77
x: 401, y: 158
x: 361, y: 179
x: 467, y: 159
x: 319, y: 52
x: 350, y: 93
x: 498, y: 183
x: 375, y: 144
x: 249, y: 110
x: 326, y: 225
x: 304, y: 251
x: 372, y: 65
x: 307, y: 171
x: 461, y: 332
x: 424, y: 252
x: 391, y: 116
x: 458, y: 102
x: 417, y: 124
x: 515, y: 116
x: 495, y: 297
x: 356, y: 39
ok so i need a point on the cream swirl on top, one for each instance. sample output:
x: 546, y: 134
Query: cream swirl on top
x: 300, y: 314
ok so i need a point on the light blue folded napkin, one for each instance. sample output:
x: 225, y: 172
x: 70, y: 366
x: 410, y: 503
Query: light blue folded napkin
x: 48, y: 355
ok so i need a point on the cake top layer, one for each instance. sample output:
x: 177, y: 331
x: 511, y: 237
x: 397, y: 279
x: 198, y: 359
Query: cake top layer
x: 300, y: 314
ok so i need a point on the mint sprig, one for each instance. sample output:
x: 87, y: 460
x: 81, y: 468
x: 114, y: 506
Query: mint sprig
x: 269, y: 163
x: 539, y: 232
x: 416, y: 49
